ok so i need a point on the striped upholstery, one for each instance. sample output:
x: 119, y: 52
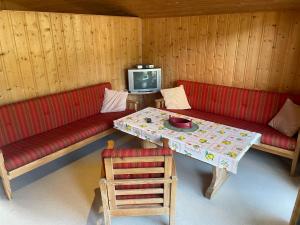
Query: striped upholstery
x: 249, y: 105
x: 25, y: 119
x: 241, y: 108
x: 132, y: 152
x: 30, y: 149
x: 119, y: 153
x: 269, y: 135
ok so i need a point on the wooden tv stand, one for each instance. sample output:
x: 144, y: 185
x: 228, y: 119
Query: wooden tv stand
x: 145, y: 99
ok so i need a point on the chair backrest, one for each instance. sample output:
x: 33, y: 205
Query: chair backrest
x: 27, y: 118
x: 250, y: 105
x: 138, y: 177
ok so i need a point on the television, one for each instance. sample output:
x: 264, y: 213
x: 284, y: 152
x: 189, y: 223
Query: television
x: 144, y: 80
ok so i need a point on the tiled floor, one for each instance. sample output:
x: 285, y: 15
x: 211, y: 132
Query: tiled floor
x: 66, y: 192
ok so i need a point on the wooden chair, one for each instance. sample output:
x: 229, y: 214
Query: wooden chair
x: 138, y: 182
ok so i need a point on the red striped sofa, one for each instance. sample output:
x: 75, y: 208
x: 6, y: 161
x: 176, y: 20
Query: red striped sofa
x: 37, y: 131
x: 247, y: 109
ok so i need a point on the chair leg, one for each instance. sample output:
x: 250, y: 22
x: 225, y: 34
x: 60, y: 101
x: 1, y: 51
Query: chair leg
x: 5, y: 179
x: 105, y: 206
x: 172, y: 212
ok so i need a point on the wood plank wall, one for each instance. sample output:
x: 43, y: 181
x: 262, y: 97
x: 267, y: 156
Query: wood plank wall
x: 250, y: 50
x: 43, y: 53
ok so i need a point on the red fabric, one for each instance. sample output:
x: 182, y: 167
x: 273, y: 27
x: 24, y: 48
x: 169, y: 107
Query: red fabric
x: 119, y: 153
x: 27, y: 150
x: 132, y: 152
x: 121, y: 197
x: 249, y: 105
x: 269, y: 135
x: 28, y: 118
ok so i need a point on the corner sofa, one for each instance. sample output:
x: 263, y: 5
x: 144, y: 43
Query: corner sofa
x: 37, y: 131
x: 242, y: 108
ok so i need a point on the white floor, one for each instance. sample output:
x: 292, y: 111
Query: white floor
x: 66, y: 192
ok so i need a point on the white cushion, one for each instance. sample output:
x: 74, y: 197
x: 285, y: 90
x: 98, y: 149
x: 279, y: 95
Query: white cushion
x: 175, y: 98
x: 114, y: 101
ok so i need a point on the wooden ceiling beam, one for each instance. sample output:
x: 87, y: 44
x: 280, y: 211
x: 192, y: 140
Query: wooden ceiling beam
x: 154, y: 8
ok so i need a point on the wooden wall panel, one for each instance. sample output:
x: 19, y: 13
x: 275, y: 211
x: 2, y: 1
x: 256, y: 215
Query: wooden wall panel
x: 258, y: 50
x: 43, y: 53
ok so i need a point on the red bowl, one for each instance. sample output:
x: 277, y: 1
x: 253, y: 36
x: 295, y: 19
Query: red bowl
x: 180, y: 122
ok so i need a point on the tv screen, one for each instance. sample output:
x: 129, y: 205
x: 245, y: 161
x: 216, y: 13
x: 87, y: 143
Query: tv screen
x: 144, y: 80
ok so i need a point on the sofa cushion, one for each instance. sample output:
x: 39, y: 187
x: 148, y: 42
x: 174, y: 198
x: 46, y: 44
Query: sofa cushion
x: 250, y: 105
x: 287, y: 120
x: 27, y: 150
x: 114, y: 101
x: 175, y: 98
x: 269, y: 135
x: 27, y: 118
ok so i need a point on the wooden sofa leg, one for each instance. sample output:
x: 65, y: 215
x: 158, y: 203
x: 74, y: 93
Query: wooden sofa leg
x: 5, y: 179
x: 293, y: 167
x: 296, y: 157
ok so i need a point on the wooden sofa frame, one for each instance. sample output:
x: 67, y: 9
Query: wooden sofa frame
x: 7, y: 176
x: 293, y: 155
x: 146, y: 207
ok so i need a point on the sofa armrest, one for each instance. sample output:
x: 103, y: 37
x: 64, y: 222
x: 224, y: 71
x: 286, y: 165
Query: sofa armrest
x: 131, y: 104
x: 160, y: 103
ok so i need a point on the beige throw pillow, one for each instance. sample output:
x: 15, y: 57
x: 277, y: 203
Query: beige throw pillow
x: 114, y: 101
x: 175, y: 98
x: 287, y: 120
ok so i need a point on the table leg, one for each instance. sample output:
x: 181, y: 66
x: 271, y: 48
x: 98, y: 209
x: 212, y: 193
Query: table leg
x: 219, y: 177
x: 147, y: 144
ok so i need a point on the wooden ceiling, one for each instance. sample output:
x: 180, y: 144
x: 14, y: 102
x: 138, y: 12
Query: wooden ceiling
x: 150, y: 8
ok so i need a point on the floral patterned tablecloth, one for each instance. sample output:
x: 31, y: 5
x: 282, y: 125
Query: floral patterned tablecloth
x: 217, y: 144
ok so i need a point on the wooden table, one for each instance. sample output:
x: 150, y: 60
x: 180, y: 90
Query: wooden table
x: 216, y: 144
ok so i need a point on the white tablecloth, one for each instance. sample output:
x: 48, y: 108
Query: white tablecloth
x: 217, y: 144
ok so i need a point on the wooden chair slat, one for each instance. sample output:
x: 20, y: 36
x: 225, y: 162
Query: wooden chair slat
x: 139, y: 181
x: 139, y: 201
x: 139, y: 170
x: 139, y: 159
x: 140, y: 191
x: 144, y: 211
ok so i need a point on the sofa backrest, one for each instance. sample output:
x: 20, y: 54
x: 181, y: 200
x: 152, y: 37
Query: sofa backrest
x: 250, y: 105
x: 27, y: 118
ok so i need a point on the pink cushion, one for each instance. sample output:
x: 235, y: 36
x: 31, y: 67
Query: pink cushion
x: 27, y: 150
x: 249, y: 105
x: 287, y: 120
x: 35, y: 116
x: 269, y: 135
x: 114, y: 101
